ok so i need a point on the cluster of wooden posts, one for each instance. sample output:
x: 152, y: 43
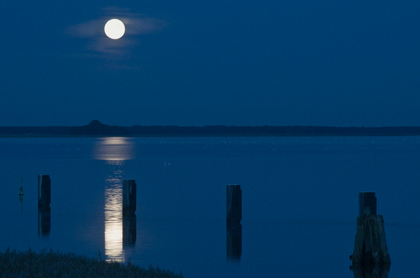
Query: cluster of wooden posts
x: 128, y: 208
x: 129, y: 194
x: 370, y: 248
x: 370, y: 257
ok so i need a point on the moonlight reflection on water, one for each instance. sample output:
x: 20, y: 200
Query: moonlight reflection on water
x: 114, y: 151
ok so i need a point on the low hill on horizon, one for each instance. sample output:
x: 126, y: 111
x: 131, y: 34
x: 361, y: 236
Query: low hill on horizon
x: 95, y: 128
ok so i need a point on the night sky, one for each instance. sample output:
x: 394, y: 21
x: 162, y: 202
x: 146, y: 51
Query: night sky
x: 227, y: 62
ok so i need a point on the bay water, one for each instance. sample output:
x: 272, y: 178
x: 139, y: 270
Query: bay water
x: 300, y: 201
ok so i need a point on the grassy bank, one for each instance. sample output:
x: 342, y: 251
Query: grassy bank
x: 56, y: 264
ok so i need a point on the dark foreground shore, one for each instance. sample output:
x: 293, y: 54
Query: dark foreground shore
x: 55, y: 264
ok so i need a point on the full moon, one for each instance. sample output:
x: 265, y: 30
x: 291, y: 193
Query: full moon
x: 114, y: 29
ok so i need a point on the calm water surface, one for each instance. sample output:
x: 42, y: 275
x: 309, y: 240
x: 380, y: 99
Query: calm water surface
x: 299, y: 201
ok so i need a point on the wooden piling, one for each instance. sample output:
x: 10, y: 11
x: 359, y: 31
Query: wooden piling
x: 233, y: 221
x: 233, y: 204
x: 367, y: 203
x: 44, y: 191
x: 370, y: 248
x: 129, y: 197
x: 376, y: 271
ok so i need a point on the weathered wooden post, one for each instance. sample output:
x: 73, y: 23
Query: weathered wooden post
x: 129, y: 212
x: 370, y: 248
x: 44, y: 191
x: 367, y: 203
x: 44, y: 201
x: 233, y: 204
x: 233, y: 222
x: 129, y: 197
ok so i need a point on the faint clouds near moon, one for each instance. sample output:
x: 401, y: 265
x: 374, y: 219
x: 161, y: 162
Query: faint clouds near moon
x: 135, y: 25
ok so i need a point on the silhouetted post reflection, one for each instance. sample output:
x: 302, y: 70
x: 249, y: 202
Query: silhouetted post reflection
x: 233, y: 222
x: 129, y: 212
x: 21, y: 191
x: 21, y: 200
x: 44, y: 221
x: 370, y: 257
x: 44, y: 201
x: 234, y: 242
x: 129, y: 230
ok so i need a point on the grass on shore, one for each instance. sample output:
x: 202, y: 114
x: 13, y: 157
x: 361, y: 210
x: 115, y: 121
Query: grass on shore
x: 55, y: 264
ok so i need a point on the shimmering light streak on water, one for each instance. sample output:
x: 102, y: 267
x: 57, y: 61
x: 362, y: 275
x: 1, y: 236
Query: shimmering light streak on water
x: 113, y: 148
x: 114, y: 151
x: 300, y: 201
x: 113, y: 214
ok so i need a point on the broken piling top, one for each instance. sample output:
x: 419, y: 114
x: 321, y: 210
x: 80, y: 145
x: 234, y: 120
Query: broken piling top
x: 367, y: 203
x: 44, y: 191
x: 233, y: 204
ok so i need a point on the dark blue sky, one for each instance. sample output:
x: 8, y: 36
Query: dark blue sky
x: 188, y: 62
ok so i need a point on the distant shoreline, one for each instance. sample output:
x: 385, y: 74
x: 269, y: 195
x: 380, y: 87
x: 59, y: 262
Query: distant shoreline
x: 97, y: 129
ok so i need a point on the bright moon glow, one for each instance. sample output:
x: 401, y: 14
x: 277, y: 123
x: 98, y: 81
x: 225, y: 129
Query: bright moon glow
x: 114, y: 29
